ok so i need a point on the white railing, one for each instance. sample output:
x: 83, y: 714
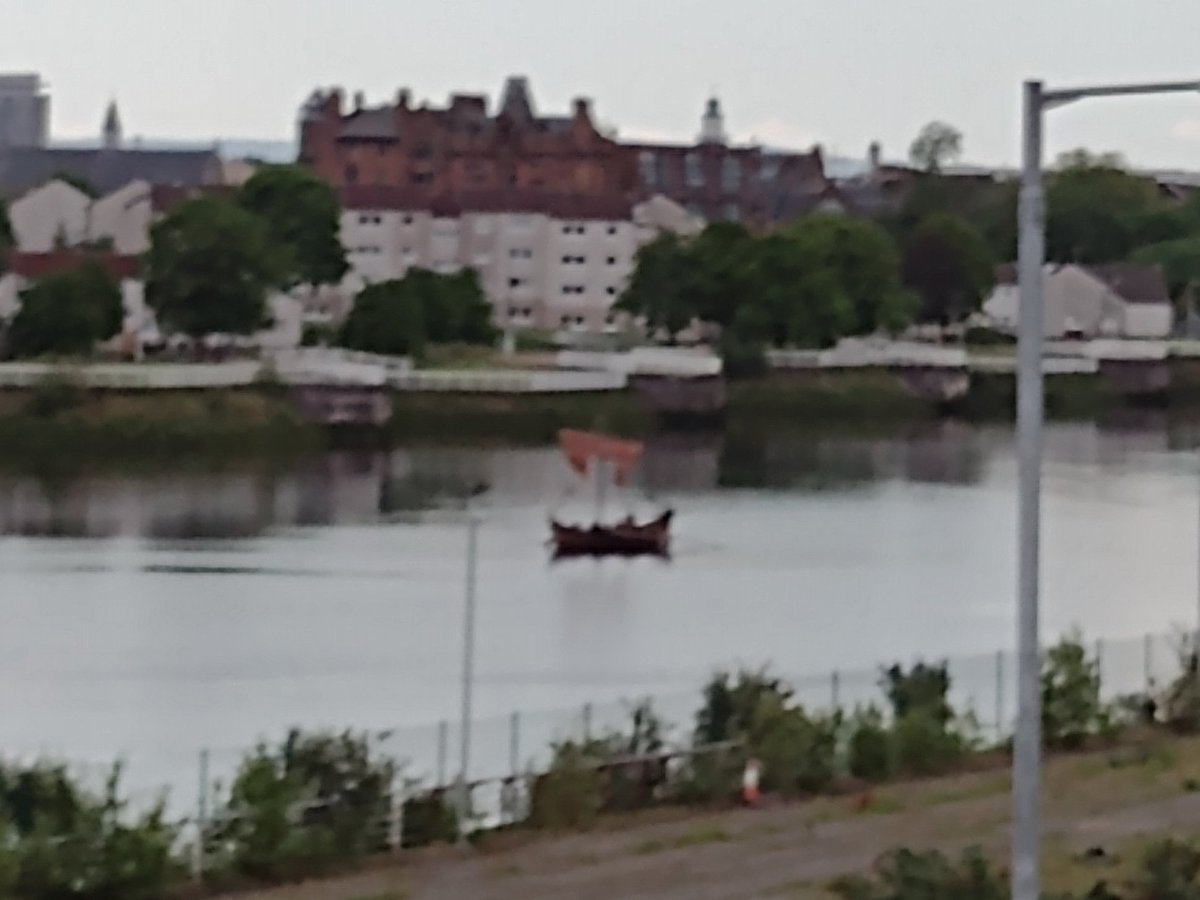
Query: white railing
x: 858, y: 353
x: 134, y: 376
x: 673, y: 361
x: 505, y: 382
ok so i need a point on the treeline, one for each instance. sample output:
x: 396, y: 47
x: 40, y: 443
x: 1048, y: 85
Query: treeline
x: 931, y: 260
x: 320, y: 803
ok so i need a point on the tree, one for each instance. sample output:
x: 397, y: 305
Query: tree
x: 302, y: 214
x: 1096, y: 212
x: 948, y: 265
x: 936, y: 145
x: 210, y: 267
x: 67, y: 313
x: 720, y: 282
x: 7, y: 241
x: 657, y: 289
x: 864, y: 264
x: 387, y: 317
x: 454, y: 307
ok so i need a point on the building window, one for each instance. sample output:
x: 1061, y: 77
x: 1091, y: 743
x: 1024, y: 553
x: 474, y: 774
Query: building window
x: 520, y: 253
x: 574, y: 260
x: 612, y: 229
x: 612, y: 260
x: 572, y: 228
x: 572, y: 288
x: 731, y: 213
x: 648, y: 166
x: 351, y: 174
x: 516, y: 282
x: 693, y: 172
x: 421, y: 177
x: 408, y: 219
x: 731, y: 175
x: 768, y: 168
x: 611, y: 291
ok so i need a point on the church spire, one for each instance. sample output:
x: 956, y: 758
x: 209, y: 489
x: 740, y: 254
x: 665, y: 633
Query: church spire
x: 112, y: 127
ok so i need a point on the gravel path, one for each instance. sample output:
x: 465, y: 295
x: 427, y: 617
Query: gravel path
x: 789, y: 850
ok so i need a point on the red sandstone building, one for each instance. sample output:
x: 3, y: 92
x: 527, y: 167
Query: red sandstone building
x: 463, y: 148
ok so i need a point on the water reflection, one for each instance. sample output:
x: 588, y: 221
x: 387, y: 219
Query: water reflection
x: 360, y: 487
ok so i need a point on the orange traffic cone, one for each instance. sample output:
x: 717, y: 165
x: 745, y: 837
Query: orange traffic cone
x: 750, y: 776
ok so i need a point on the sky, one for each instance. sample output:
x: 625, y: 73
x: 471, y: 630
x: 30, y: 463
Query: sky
x: 789, y: 73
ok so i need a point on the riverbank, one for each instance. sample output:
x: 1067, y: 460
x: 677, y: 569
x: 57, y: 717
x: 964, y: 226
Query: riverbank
x: 60, y: 421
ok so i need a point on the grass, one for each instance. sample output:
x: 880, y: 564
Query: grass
x: 696, y: 837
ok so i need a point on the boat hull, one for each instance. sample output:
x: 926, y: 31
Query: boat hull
x: 623, y: 539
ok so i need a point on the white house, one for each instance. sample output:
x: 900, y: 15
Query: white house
x: 544, y: 261
x: 1118, y: 300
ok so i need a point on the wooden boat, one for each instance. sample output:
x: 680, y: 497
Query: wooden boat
x: 594, y: 453
x: 625, y: 538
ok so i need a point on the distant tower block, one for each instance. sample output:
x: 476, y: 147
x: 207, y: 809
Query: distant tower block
x: 712, y: 125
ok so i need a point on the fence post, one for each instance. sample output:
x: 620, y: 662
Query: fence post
x: 1148, y: 663
x: 1100, y: 663
x: 441, y: 754
x: 201, y: 818
x: 587, y: 722
x: 999, y: 696
x: 396, y: 818
x: 514, y: 743
x: 835, y: 690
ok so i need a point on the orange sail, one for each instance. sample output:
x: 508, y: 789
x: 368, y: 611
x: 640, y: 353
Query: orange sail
x: 581, y: 447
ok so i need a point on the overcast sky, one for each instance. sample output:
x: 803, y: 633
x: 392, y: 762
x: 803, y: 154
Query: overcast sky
x: 789, y: 72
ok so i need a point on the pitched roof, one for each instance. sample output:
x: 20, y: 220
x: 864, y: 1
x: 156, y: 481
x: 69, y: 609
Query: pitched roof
x: 558, y: 205
x: 22, y: 168
x: 1132, y: 282
x: 33, y: 266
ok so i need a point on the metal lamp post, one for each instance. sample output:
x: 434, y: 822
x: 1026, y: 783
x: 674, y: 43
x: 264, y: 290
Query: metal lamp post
x: 1030, y: 412
x: 468, y: 665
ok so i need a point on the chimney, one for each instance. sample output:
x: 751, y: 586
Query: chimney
x: 583, y: 108
x: 403, y: 98
x: 874, y: 158
x: 360, y: 100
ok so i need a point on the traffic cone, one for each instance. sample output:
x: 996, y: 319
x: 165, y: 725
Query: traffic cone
x: 750, y: 777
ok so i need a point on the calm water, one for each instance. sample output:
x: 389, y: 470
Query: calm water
x: 152, y: 616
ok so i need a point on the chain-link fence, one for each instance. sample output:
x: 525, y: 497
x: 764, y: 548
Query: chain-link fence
x: 505, y: 751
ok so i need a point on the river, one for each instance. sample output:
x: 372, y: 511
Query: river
x: 150, y: 616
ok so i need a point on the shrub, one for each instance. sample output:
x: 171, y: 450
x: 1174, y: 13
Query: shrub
x: 798, y: 751
x: 908, y: 875
x: 924, y: 687
x: 870, y: 746
x: 1071, y: 707
x: 1170, y: 870
x: 730, y: 704
x: 315, y: 801
x: 568, y: 794
x: 925, y: 745
x: 429, y: 818
x: 980, y: 336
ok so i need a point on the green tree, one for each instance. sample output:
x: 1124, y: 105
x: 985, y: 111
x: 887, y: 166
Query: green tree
x: 658, y: 288
x: 7, y: 241
x: 210, y: 267
x: 720, y: 282
x: 864, y: 262
x: 936, y: 145
x: 67, y: 313
x: 387, y: 317
x: 1180, y: 262
x: 1096, y: 212
x: 302, y: 215
x: 799, y: 298
x: 948, y: 265
x: 454, y: 307
x: 78, y: 182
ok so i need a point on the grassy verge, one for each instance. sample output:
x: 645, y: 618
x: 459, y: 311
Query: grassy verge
x: 179, y: 427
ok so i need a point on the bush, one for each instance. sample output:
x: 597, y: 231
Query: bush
x: 925, y: 745
x: 1071, y: 707
x: 730, y: 705
x: 429, y: 818
x: 979, y: 336
x: 908, y: 875
x: 568, y: 794
x: 870, y: 746
x: 314, y: 802
x: 798, y: 751
x: 60, y: 840
x: 1170, y: 870
x: 925, y: 687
